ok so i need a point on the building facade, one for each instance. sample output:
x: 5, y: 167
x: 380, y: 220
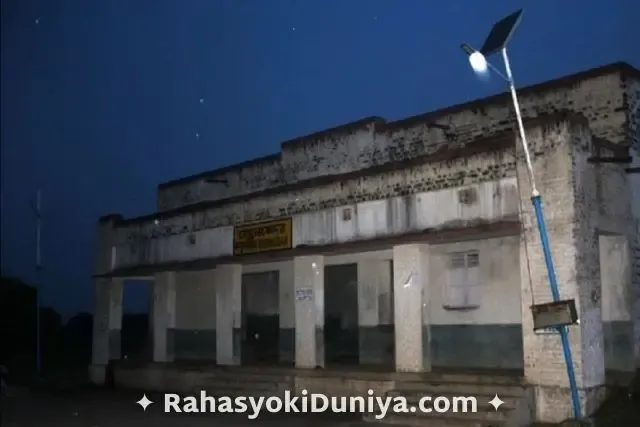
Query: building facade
x: 408, y: 244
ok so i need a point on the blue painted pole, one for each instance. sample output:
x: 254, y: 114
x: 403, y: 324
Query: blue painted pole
x: 536, y: 200
x: 555, y: 292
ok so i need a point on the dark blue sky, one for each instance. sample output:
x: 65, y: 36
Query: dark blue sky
x: 101, y: 99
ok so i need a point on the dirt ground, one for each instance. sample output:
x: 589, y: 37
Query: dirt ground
x: 104, y: 408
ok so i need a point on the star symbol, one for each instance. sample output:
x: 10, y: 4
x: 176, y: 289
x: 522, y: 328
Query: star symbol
x: 144, y: 402
x: 496, y: 402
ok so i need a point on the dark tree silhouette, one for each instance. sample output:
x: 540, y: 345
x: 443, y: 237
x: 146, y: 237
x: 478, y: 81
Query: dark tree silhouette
x: 64, y: 348
x: 17, y: 327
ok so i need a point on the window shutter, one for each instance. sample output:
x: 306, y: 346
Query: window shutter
x: 462, y: 290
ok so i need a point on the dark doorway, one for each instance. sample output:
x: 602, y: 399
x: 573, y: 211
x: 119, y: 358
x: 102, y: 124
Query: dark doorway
x: 261, y: 318
x: 341, y: 314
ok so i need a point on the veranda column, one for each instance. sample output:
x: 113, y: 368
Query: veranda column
x: 410, y: 285
x: 228, y: 283
x: 309, y: 310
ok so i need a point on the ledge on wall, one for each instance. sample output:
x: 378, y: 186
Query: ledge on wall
x: 430, y: 118
x: 495, y: 143
x: 454, y: 233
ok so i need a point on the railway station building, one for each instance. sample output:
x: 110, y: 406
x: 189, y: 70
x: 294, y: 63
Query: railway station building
x: 406, y: 246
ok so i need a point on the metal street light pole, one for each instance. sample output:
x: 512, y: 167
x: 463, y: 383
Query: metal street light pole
x: 496, y: 42
x: 37, y: 209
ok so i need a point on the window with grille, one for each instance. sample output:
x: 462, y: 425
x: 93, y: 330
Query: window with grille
x: 462, y: 290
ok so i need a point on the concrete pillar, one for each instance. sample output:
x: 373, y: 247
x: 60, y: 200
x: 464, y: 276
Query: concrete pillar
x: 163, y: 315
x: 634, y: 240
x: 229, y: 332
x: 635, y: 283
x: 107, y: 324
x: 107, y: 320
x: 106, y: 244
x: 308, y: 274
x: 410, y: 293
x: 617, y: 304
x: 375, y: 312
x: 568, y: 186
x: 287, y: 338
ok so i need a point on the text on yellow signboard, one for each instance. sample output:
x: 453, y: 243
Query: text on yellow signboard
x: 262, y: 237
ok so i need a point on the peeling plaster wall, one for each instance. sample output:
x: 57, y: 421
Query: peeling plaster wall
x: 338, y: 153
x: 614, y: 197
x: 473, y: 338
x: 632, y: 87
x: 617, y: 227
x: 635, y: 269
x: 390, y: 203
x: 373, y: 141
x: 399, y: 215
x: 248, y: 177
x: 194, y: 335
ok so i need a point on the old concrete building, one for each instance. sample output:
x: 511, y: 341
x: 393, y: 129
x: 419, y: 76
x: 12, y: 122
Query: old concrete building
x: 405, y: 246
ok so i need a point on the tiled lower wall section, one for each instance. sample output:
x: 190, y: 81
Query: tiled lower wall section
x: 115, y: 344
x: 452, y: 346
x: 287, y: 345
x: 190, y: 344
x: 619, y: 346
x: 377, y: 345
x: 477, y: 346
x: 201, y: 344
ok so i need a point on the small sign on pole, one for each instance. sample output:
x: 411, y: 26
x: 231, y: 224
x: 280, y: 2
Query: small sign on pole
x: 552, y: 315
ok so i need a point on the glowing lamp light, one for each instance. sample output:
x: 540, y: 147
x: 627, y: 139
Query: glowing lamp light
x: 478, y: 62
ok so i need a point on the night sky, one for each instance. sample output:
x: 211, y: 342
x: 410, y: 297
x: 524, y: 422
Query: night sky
x: 104, y: 99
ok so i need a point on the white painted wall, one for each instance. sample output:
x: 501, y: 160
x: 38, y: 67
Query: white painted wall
x: 285, y: 272
x: 400, y: 215
x: 499, y: 281
x: 369, y: 142
x: 634, y: 183
x: 499, y: 278
x: 195, y: 300
x: 615, y: 276
x: 212, y: 242
x: 260, y: 293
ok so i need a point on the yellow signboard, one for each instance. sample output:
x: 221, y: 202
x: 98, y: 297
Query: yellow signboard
x: 262, y: 237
